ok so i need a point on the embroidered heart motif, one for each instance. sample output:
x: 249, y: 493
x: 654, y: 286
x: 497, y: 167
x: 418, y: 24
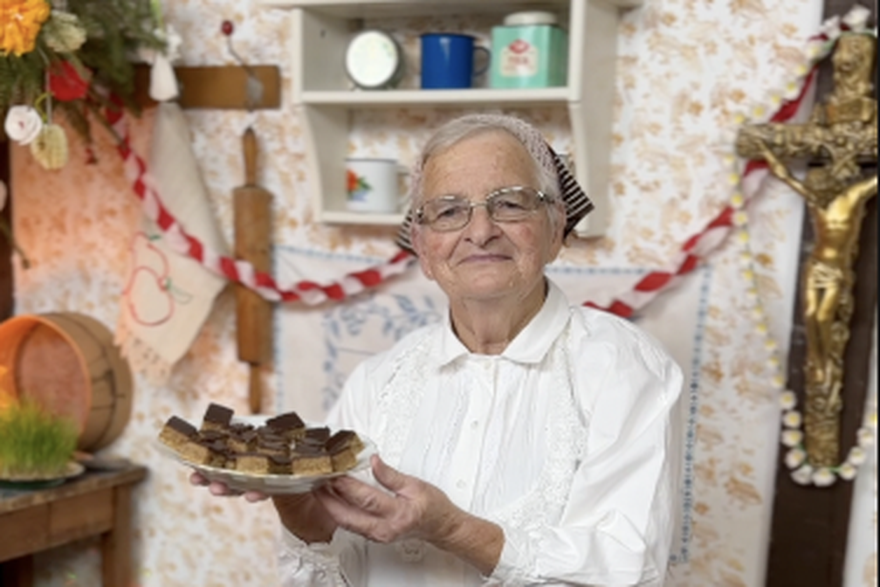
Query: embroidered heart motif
x: 147, y: 292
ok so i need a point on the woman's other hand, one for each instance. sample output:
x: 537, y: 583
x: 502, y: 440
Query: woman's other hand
x: 411, y: 508
x: 408, y: 507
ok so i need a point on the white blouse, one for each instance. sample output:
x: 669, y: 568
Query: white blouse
x: 567, y: 440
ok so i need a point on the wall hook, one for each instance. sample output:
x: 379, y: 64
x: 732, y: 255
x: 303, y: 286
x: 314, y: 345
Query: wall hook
x: 253, y: 87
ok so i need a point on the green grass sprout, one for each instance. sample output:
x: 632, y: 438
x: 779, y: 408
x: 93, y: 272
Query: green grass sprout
x: 34, y: 442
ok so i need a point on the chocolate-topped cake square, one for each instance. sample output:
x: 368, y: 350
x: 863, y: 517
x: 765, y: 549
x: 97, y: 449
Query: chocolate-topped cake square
x: 212, y: 454
x: 289, y: 424
x: 319, y: 435
x: 344, y: 439
x: 216, y: 417
x: 176, y: 433
x: 311, y: 462
x: 343, y: 448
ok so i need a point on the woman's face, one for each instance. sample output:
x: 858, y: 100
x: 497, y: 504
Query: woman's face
x: 485, y: 260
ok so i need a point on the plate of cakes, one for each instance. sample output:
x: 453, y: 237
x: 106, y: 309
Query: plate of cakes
x: 270, y: 454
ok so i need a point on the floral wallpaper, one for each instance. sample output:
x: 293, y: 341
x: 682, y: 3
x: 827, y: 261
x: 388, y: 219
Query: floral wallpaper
x: 685, y: 68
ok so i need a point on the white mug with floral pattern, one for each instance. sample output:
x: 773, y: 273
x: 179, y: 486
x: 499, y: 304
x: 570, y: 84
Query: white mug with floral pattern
x: 373, y: 185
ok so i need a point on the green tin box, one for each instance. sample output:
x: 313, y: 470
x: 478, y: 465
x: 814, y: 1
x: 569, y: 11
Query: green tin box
x: 529, y: 51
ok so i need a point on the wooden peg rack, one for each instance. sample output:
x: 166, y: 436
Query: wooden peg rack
x: 215, y: 87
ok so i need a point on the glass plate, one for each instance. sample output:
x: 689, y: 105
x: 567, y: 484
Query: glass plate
x: 269, y: 484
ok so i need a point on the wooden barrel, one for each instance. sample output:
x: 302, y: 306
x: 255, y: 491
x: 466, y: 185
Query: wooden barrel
x: 67, y: 362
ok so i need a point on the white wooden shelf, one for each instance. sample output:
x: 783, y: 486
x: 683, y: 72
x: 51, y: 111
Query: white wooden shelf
x: 322, y: 94
x: 405, y: 8
x: 347, y: 217
x: 438, y: 98
x: 397, y: 8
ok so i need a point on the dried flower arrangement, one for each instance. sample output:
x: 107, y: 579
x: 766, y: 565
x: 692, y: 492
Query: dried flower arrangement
x: 75, y: 56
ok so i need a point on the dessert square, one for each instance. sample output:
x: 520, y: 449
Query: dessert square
x: 177, y: 432
x: 289, y: 425
x: 216, y: 417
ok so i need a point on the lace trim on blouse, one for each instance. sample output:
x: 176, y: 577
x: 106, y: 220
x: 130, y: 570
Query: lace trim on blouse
x: 544, y: 504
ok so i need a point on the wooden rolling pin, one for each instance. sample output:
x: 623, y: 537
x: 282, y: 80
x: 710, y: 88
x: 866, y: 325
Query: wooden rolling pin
x: 253, y: 234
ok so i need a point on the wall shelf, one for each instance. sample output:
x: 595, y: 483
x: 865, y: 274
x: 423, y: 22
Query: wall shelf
x: 322, y: 94
x: 370, y: 218
x: 438, y: 98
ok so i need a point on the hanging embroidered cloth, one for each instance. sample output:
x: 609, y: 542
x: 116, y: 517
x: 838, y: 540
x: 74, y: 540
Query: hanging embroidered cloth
x: 168, y: 296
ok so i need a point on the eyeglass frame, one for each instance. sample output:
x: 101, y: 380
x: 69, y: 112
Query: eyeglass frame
x: 541, y: 198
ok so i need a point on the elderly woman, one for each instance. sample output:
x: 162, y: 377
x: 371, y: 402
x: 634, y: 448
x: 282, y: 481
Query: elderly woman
x: 522, y: 440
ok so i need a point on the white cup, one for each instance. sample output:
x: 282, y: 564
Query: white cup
x: 373, y: 185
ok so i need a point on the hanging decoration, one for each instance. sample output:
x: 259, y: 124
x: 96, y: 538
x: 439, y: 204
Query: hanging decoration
x: 73, y: 54
x: 804, y: 470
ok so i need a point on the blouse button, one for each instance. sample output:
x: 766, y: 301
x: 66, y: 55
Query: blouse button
x: 461, y: 484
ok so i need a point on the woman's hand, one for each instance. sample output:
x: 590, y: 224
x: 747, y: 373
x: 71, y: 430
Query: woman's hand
x: 412, y: 509
x: 301, y: 513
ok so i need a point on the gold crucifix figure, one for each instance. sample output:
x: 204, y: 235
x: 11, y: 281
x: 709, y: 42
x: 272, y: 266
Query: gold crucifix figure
x: 842, y: 134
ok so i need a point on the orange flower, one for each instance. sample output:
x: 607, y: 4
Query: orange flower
x: 351, y: 180
x: 20, y: 22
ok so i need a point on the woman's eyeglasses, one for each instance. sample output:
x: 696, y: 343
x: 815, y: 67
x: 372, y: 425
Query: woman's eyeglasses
x: 511, y: 204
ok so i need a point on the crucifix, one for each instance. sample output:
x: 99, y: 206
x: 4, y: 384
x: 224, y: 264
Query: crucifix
x: 841, y: 137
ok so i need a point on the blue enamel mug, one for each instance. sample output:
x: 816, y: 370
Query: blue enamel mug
x: 448, y: 61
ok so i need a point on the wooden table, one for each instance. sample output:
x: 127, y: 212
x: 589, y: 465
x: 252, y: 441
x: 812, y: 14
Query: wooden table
x: 95, y: 503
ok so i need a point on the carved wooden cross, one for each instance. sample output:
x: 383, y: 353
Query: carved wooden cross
x: 840, y: 136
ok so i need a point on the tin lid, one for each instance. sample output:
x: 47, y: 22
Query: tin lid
x: 530, y: 17
x: 373, y: 59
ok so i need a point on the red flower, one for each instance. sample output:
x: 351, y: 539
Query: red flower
x: 66, y: 84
